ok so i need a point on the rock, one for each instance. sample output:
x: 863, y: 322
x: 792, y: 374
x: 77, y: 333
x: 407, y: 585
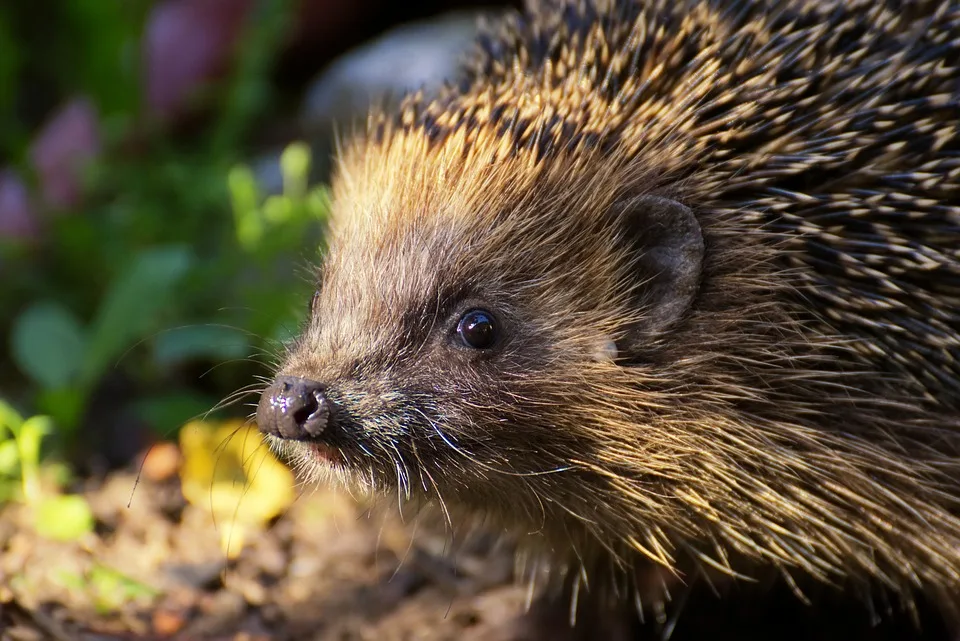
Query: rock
x: 266, y: 172
x: 419, y: 55
x: 409, y: 57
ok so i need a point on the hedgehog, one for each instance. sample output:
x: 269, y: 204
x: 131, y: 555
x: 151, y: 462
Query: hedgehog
x: 670, y: 290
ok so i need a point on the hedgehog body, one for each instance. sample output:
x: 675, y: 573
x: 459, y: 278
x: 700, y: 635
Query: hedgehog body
x: 717, y: 244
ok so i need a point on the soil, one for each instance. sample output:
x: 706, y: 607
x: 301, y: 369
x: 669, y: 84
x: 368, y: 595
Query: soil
x: 331, y: 568
x: 328, y: 569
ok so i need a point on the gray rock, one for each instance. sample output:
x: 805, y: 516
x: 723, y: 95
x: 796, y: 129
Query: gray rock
x: 267, y: 173
x: 414, y: 56
x: 420, y: 55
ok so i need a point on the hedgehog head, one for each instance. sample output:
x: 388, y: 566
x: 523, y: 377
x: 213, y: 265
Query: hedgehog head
x: 470, y: 315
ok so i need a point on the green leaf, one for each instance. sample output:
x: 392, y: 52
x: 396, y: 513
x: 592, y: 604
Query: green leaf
x: 31, y: 434
x: 48, y: 344
x: 57, y: 474
x: 10, y: 419
x: 11, y: 63
x: 277, y: 209
x: 9, y: 458
x: 70, y: 580
x: 199, y: 341
x: 295, y: 167
x: 132, y: 305
x: 63, y: 518
x: 33, y: 430
x: 318, y: 203
x: 283, y: 332
x: 8, y: 491
x: 102, y: 36
x: 64, y: 405
x: 245, y: 199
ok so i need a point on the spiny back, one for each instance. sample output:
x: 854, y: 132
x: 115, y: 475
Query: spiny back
x: 832, y: 124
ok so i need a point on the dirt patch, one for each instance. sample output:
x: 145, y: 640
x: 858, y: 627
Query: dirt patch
x: 331, y: 569
x: 328, y: 569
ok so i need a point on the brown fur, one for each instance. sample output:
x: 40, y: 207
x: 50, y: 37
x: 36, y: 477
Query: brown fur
x: 801, y: 415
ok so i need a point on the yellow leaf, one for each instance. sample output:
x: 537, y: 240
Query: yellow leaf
x: 230, y: 471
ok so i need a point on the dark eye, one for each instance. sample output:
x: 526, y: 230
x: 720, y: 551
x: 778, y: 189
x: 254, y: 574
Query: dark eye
x: 477, y: 329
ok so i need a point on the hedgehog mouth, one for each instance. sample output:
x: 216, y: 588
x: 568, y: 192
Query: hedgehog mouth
x: 327, y: 454
x: 339, y: 445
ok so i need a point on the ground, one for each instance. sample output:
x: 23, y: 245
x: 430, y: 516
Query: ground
x: 327, y: 569
x: 331, y: 569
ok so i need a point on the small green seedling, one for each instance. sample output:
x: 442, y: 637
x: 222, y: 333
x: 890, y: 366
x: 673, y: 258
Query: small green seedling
x: 61, y: 517
x: 20, y: 452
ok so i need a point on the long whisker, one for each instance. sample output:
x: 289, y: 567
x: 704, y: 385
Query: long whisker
x: 473, y: 459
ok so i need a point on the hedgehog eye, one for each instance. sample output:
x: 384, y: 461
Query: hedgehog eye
x: 477, y: 329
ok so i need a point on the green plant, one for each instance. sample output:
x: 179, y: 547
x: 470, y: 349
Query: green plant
x: 20, y: 453
x: 66, y: 358
x: 54, y: 515
x: 176, y: 263
x: 99, y: 40
x: 268, y: 227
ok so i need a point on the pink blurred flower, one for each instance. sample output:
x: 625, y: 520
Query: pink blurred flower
x: 17, y: 217
x: 188, y: 43
x: 69, y: 140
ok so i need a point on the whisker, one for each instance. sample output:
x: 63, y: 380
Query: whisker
x: 473, y: 459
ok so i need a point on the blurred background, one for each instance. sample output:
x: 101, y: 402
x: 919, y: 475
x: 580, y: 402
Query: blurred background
x: 139, y: 141
x: 162, y: 172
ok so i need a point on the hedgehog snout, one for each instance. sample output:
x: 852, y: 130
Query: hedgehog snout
x: 294, y: 408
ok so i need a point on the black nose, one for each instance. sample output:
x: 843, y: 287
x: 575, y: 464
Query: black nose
x: 293, y: 408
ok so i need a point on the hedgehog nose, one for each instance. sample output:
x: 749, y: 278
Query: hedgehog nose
x: 294, y: 408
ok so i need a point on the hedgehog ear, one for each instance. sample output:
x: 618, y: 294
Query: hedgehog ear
x: 666, y: 242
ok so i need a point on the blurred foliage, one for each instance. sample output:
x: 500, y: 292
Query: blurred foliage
x: 110, y: 589
x: 84, y: 47
x: 175, y: 263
